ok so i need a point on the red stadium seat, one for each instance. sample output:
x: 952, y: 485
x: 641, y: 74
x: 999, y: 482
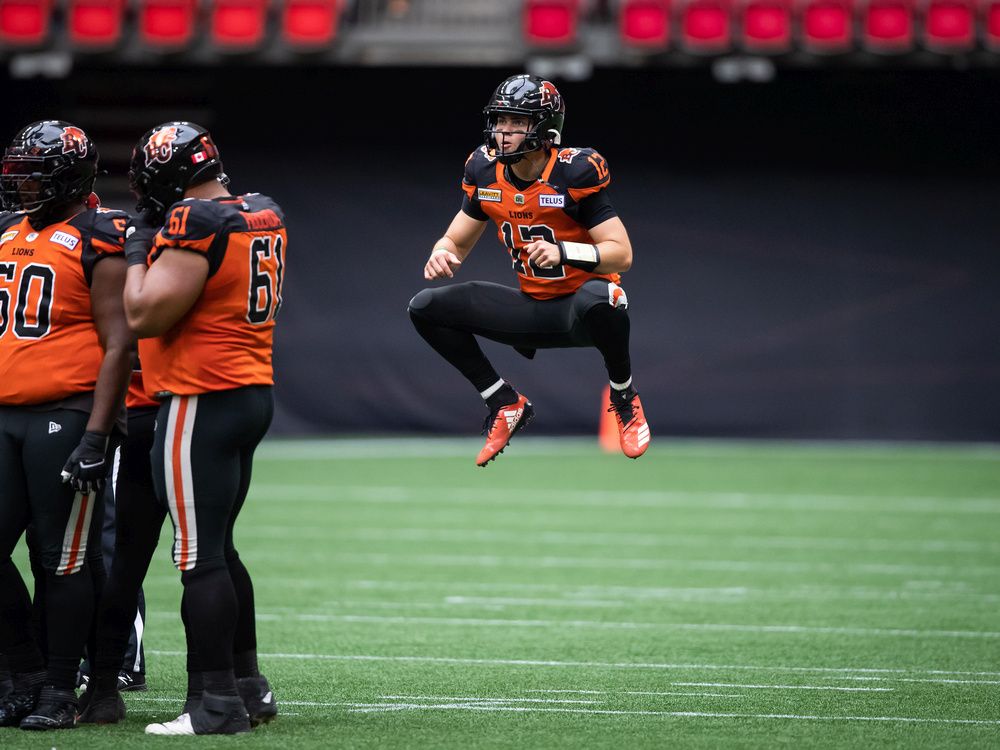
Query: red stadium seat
x: 645, y: 23
x: 551, y: 23
x: 991, y: 24
x: 706, y: 26
x: 827, y: 26
x: 24, y: 23
x: 238, y: 25
x: 950, y: 25
x: 167, y: 24
x: 767, y: 25
x: 888, y: 25
x: 310, y: 23
x: 95, y: 23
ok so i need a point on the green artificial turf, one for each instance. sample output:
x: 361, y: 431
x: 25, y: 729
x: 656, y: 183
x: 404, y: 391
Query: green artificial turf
x: 708, y: 595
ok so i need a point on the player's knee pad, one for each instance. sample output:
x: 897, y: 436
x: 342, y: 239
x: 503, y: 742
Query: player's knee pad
x: 598, y: 292
x: 421, y: 303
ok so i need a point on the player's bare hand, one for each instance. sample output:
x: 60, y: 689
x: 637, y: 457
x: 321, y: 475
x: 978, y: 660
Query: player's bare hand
x: 441, y: 265
x: 543, y: 254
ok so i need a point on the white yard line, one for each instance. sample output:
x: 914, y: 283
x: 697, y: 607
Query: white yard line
x: 379, y: 708
x: 315, y: 449
x: 613, y: 500
x: 526, y: 536
x: 745, y: 686
x: 604, y: 563
x: 603, y: 625
x: 720, y: 593
x: 605, y: 664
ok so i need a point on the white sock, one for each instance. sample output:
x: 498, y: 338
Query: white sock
x: 621, y: 386
x: 496, y: 387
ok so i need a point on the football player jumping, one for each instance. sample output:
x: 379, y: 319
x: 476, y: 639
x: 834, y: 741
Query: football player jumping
x: 203, y: 288
x: 567, y: 246
x: 64, y: 368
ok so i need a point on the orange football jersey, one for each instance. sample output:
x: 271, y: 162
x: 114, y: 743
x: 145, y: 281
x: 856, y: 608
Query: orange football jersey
x: 224, y: 341
x: 545, y: 210
x: 48, y: 343
x: 135, y: 397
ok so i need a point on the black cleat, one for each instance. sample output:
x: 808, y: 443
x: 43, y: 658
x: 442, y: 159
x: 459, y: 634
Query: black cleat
x: 216, y: 714
x: 16, y: 706
x: 56, y: 709
x: 96, y: 708
x: 131, y: 681
x: 258, y: 699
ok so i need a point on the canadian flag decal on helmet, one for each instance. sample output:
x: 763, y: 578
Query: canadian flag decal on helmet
x: 550, y: 95
x: 74, y: 141
x: 160, y: 146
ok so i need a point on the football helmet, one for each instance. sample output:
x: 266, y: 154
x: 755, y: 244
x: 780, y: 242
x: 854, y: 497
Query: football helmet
x: 168, y: 160
x: 50, y: 164
x: 531, y: 97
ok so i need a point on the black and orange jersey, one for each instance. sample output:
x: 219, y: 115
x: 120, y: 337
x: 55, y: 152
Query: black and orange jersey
x: 224, y: 341
x: 557, y: 207
x: 49, y: 347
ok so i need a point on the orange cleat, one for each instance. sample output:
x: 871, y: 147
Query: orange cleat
x: 501, y: 425
x: 633, y: 432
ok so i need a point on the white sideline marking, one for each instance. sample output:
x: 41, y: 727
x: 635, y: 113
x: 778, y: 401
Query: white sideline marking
x: 641, y: 692
x: 603, y: 664
x: 603, y: 563
x: 496, y: 704
x: 379, y: 708
x: 722, y: 593
x: 423, y: 446
x: 781, y: 687
x: 725, y: 627
x: 479, y: 699
x: 634, y: 539
x: 612, y: 499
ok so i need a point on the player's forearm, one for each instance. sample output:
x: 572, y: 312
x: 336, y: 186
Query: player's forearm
x: 109, y: 392
x: 616, y: 256
x: 146, y: 308
x: 453, y: 245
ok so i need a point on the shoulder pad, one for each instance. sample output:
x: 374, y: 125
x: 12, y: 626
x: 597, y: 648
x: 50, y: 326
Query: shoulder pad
x: 583, y: 168
x: 259, y: 202
x: 480, y: 167
x: 109, y: 227
x: 102, y: 228
x: 193, y: 220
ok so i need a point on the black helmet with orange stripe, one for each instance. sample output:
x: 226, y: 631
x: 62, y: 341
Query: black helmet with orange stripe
x: 532, y: 97
x: 48, y: 166
x: 168, y: 160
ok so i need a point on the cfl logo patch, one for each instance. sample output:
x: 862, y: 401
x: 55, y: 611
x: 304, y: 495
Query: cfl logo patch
x: 617, y: 297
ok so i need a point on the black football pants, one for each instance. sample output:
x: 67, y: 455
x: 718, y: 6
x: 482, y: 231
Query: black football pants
x: 202, y: 460
x: 449, y: 318
x: 34, y: 445
x: 138, y: 517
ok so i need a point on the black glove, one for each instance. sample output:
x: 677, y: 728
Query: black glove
x: 87, y: 467
x: 139, y: 235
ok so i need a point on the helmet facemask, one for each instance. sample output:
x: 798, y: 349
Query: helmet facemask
x: 57, y: 180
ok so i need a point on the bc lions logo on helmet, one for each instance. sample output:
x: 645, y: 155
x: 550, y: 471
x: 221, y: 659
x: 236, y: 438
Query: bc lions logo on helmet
x: 550, y: 95
x: 74, y: 141
x: 160, y: 146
